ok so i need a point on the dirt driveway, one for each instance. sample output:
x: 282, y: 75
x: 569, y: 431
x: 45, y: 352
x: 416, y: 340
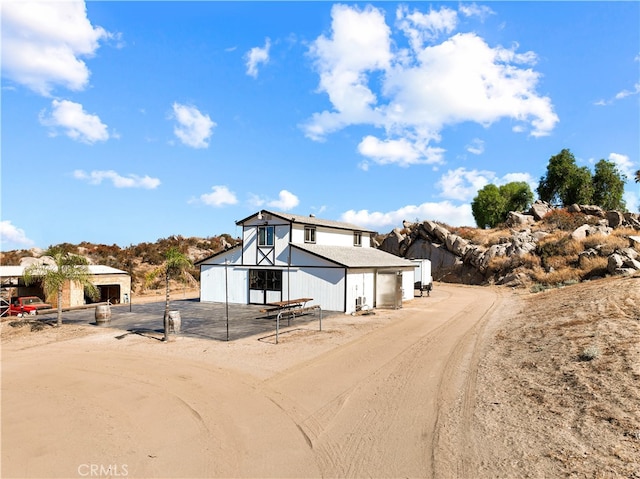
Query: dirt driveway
x: 369, y: 396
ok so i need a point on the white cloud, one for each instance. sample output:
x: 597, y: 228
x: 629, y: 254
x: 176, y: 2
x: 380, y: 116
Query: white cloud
x: 43, y: 43
x: 257, y: 56
x: 625, y: 93
x: 413, y: 94
x: 76, y: 123
x: 131, y: 181
x: 619, y: 96
x: 463, y: 185
x: 476, y: 146
x: 624, y: 164
x: 360, y: 43
x: 402, y: 152
x: 421, y: 28
x: 220, y: 196
x: 632, y: 201
x: 194, y: 128
x: 286, y: 201
x: 474, y: 10
x: 445, y: 211
x: 12, y: 236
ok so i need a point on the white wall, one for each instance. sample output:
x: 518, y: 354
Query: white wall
x: 325, y: 285
x: 250, y: 243
x: 329, y: 237
x: 215, y: 287
x: 360, y: 284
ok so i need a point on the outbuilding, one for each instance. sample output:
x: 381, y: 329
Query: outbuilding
x: 284, y: 256
x: 114, y: 285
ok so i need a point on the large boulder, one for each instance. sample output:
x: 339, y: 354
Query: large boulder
x: 391, y: 244
x: 632, y: 220
x: 574, y: 208
x: 623, y: 262
x: 515, y: 219
x: 614, y: 218
x: 592, y: 210
x: 539, y: 209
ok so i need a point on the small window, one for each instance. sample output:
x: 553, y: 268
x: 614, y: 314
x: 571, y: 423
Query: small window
x: 265, y: 235
x: 357, y: 238
x: 309, y: 234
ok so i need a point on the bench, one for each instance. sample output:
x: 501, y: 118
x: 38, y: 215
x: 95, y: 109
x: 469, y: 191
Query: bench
x: 290, y: 306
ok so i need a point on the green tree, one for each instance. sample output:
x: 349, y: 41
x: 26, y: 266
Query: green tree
x: 565, y: 183
x: 518, y: 196
x: 488, y: 207
x: 54, y: 273
x: 175, y: 266
x: 608, y: 186
x: 492, y: 204
x: 579, y: 188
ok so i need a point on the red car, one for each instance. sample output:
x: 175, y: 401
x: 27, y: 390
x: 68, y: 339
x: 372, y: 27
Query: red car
x: 27, y: 305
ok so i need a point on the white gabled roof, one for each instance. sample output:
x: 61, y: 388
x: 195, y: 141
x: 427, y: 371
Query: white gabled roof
x: 354, y: 257
x: 308, y: 220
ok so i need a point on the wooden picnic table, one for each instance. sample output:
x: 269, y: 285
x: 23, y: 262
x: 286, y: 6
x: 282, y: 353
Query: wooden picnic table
x: 290, y: 305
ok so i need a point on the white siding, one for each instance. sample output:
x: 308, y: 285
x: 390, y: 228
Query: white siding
x: 250, y: 243
x: 325, y: 285
x: 215, y: 287
x: 360, y: 284
x: 407, y: 285
x: 329, y: 237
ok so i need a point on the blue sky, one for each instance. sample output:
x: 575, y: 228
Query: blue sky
x: 125, y: 122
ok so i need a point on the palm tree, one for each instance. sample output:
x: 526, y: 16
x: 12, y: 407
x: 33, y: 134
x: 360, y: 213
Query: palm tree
x: 638, y: 176
x: 55, y: 269
x: 175, y: 265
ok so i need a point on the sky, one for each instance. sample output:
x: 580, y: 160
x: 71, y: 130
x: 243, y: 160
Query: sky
x: 126, y: 122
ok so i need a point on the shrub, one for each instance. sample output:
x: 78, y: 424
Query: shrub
x: 562, y: 219
x: 589, y: 353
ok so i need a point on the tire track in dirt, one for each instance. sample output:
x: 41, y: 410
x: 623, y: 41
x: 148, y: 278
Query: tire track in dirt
x: 376, y: 412
x: 452, y: 449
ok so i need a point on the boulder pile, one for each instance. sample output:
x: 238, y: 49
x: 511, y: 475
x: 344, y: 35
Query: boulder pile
x: 457, y: 260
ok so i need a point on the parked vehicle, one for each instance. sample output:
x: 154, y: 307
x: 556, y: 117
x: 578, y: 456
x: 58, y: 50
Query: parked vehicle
x: 23, y: 305
x: 422, y: 276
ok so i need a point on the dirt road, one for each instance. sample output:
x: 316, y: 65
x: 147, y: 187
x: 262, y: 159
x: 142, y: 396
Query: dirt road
x: 387, y: 395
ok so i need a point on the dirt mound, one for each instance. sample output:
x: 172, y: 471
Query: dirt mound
x: 559, y: 387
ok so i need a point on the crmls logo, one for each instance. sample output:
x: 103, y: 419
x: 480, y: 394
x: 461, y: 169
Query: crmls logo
x: 102, y: 470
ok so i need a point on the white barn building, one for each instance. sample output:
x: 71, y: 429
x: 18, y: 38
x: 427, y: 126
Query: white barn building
x: 284, y: 257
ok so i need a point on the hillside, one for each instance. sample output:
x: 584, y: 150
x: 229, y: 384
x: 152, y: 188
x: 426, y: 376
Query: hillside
x: 141, y: 261
x: 541, y: 248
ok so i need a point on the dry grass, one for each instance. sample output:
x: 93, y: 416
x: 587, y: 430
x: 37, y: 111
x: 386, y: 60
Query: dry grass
x: 606, y: 244
x: 504, y: 264
x: 593, y: 267
x: 572, y: 408
x: 562, y: 276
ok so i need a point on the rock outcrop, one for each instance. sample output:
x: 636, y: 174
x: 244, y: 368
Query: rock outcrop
x: 456, y: 259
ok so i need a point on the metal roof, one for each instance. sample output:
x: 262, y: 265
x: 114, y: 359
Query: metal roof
x: 308, y: 220
x: 353, y: 257
x: 97, y: 269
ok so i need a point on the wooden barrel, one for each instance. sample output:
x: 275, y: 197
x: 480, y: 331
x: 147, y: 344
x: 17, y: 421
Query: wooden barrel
x: 103, y: 314
x: 174, y: 322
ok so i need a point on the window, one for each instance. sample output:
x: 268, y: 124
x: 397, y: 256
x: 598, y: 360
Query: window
x: 265, y: 279
x: 309, y: 234
x: 265, y: 235
x: 357, y: 238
